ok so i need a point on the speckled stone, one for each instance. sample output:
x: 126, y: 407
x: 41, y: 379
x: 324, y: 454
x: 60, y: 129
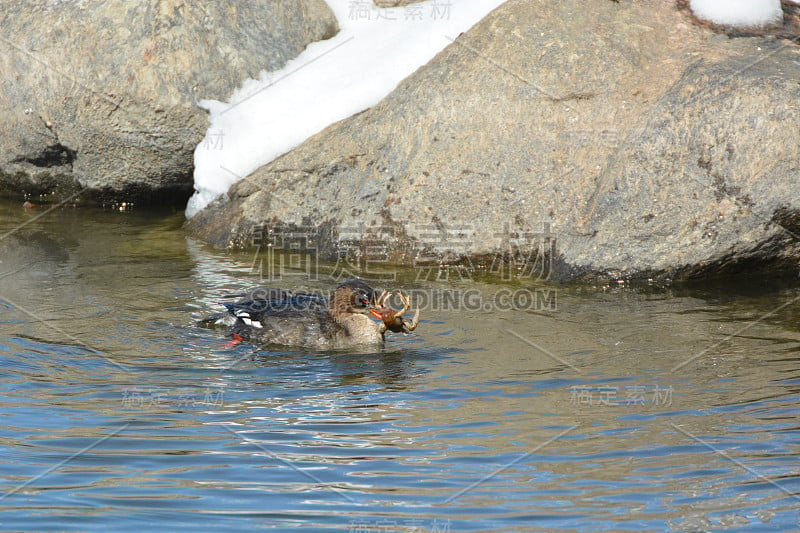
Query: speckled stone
x: 617, y: 138
x: 103, y: 94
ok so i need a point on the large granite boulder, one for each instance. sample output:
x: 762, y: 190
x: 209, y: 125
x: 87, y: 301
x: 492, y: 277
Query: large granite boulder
x: 587, y: 138
x: 102, y: 95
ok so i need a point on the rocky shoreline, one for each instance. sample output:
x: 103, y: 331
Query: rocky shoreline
x: 608, y: 140
x: 569, y: 141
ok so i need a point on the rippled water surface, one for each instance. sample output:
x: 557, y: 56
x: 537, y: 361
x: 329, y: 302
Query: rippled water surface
x: 620, y: 409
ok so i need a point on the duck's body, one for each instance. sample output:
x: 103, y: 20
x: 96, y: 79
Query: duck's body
x: 275, y: 316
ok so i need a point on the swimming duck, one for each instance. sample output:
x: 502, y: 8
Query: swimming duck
x: 277, y: 316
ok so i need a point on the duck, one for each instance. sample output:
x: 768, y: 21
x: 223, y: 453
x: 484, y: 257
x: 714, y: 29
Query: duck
x: 279, y: 316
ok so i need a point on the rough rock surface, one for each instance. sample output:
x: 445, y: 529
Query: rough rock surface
x: 600, y: 138
x: 102, y: 94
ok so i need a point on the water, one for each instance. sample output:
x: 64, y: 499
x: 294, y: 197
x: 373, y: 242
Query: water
x: 622, y: 409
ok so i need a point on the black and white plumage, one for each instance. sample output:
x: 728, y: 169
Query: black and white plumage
x: 277, y: 316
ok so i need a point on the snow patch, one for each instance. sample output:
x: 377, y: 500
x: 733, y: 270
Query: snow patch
x: 738, y: 13
x: 331, y: 80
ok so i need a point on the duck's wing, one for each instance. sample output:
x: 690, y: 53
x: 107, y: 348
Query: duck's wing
x: 312, y: 327
x: 285, y: 304
x: 260, y: 302
x: 307, y: 300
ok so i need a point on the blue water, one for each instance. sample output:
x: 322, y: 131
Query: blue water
x: 621, y: 409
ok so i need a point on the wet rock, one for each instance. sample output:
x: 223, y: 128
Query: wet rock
x: 102, y: 96
x: 588, y: 139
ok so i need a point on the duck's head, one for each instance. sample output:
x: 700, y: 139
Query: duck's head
x: 352, y: 296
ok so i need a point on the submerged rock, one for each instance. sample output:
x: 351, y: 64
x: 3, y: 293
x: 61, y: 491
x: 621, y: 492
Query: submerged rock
x: 102, y: 96
x: 587, y: 138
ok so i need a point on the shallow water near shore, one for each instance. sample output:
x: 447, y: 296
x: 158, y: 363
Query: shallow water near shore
x: 590, y: 409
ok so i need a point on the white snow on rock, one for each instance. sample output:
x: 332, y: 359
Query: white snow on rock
x: 738, y: 13
x: 331, y: 80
